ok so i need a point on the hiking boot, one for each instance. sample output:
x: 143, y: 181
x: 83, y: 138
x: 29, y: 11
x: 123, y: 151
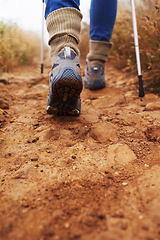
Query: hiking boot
x: 65, y: 85
x: 94, y: 77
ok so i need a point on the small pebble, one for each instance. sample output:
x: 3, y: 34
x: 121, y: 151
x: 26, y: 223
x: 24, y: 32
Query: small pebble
x: 32, y: 140
x: 140, y: 217
x: 25, y: 210
x: 124, y: 183
x: 109, y: 119
x: 66, y: 225
x: 74, y: 167
x: 104, y: 118
x: 113, y: 168
x: 146, y: 165
x: 34, y: 159
x: 36, y: 166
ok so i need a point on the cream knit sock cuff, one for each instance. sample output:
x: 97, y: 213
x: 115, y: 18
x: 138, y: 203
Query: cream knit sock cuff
x: 99, y: 50
x: 64, y: 27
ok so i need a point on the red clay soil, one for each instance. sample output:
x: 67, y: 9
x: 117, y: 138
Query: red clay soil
x: 93, y: 177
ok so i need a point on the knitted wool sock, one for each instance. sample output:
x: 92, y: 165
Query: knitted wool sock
x: 98, y: 53
x: 64, y: 27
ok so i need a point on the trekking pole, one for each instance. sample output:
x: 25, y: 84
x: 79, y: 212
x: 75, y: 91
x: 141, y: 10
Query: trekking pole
x: 42, y: 38
x: 141, y: 91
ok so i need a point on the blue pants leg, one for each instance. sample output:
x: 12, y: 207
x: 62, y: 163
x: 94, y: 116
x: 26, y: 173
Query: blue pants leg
x: 52, y: 5
x: 102, y: 19
x: 102, y: 15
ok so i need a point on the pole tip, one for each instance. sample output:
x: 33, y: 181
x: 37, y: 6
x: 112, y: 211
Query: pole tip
x: 141, y: 90
x: 41, y: 67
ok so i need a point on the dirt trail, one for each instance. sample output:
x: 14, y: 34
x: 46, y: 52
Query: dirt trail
x: 95, y: 177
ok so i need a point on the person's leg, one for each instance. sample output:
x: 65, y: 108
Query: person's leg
x: 52, y: 5
x: 63, y: 20
x: 102, y: 20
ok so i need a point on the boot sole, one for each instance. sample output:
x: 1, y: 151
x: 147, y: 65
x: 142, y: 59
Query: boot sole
x: 95, y: 85
x: 66, y: 91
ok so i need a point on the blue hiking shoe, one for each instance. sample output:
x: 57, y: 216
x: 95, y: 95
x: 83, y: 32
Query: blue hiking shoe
x: 65, y: 85
x: 94, y: 78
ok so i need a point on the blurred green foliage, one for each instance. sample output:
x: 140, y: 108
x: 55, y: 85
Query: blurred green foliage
x: 17, y: 47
